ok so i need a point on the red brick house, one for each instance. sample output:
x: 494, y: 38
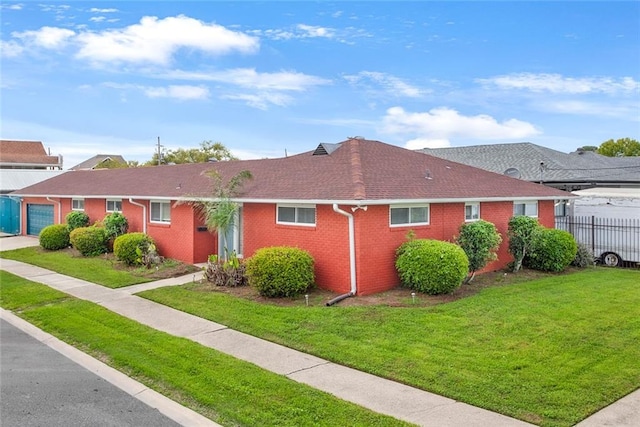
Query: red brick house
x: 349, y: 204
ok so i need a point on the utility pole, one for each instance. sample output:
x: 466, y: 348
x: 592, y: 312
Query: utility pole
x: 159, y: 152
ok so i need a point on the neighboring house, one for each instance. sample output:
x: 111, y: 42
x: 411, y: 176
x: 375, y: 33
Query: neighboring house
x: 351, y: 205
x: 570, y: 172
x: 22, y: 163
x: 27, y: 155
x: 96, y: 161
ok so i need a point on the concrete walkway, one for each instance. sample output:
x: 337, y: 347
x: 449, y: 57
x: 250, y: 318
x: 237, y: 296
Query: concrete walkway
x: 377, y: 394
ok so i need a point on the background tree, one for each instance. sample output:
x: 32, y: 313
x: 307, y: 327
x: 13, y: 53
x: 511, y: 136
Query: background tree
x: 113, y: 164
x: 480, y: 241
x: 588, y: 148
x: 207, y: 151
x: 626, y: 147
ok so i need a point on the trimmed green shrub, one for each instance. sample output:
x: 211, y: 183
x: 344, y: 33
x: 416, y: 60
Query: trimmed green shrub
x: 280, y: 271
x: 520, y: 231
x: 431, y: 266
x: 115, y: 224
x: 76, y: 219
x: 54, y: 237
x: 89, y: 241
x: 584, y: 257
x: 551, y: 250
x: 479, y: 240
x: 129, y: 247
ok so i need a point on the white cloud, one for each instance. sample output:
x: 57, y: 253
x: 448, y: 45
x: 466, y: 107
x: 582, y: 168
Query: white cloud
x: 16, y: 6
x: 250, y: 78
x: 180, y: 92
x: 10, y: 49
x: 156, y: 40
x: 623, y: 110
x: 98, y: 10
x: 97, y: 19
x: 556, y: 83
x: 261, y: 100
x: 420, y: 143
x: 46, y: 37
x: 389, y: 83
x: 314, y: 31
x: 438, y: 125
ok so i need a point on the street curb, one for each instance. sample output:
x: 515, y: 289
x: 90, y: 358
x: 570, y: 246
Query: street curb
x: 173, y: 410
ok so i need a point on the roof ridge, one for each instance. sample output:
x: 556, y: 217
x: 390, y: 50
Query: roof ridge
x: 357, y: 176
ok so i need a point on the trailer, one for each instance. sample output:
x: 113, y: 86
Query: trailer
x: 607, y: 220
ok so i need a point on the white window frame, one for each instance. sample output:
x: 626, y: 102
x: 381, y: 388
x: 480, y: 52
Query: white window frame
x: 410, y: 207
x: 115, y: 203
x: 526, y: 203
x: 164, y: 204
x: 473, y: 217
x: 561, y: 208
x: 296, y: 214
x: 75, y: 208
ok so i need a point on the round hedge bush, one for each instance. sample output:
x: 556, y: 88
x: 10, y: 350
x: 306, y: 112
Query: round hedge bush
x: 54, y: 237
x: 126, y: 246
x: 76, y: 219
x: 89, y: 241
x: 280, y: 271
x: 551, y: 250
x: 431, y: 266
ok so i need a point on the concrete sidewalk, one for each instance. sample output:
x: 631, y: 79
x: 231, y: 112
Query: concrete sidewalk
x: 377, y: 394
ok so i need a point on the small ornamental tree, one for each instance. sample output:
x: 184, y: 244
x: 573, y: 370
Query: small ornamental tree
x: 480, y: 241
x: 520, y: 232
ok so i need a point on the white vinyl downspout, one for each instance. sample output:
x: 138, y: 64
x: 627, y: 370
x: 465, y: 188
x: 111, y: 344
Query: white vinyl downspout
x: 352, y: 246
x: 59, y: 208
x: 144, y: 214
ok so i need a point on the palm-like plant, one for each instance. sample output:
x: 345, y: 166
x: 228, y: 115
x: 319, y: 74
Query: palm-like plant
x: 219, y: 213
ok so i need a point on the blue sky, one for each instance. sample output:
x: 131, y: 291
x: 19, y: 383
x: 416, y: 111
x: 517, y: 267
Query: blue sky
x: 265, y: 78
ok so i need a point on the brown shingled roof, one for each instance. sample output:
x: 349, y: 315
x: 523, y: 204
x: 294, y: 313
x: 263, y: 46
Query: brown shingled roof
x: 358, y: 170
x: 26, y: 152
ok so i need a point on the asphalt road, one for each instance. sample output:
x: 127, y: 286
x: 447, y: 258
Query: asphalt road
x: 41, y: 387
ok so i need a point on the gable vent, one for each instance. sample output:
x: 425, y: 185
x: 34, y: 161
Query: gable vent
x: 324, y: 149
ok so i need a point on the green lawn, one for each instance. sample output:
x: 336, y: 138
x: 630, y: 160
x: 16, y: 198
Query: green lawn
x: 550, y: 351
x: 220, y: 387
x: 102, y: 270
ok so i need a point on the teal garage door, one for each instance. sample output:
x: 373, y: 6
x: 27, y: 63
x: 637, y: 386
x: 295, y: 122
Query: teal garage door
x: 38, y: 217
x: 9, y: 215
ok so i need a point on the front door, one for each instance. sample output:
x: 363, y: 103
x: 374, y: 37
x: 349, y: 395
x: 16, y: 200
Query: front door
x: 232, y: 238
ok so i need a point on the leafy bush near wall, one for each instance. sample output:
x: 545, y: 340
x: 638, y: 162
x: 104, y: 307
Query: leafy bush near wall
x: 551, y: 250
x: 54, y: 237
x: 431, y: 266
x: 129, y: 248
x: 280, y: 271
x: 479, y: 240
x: 89, y: 241
x: 520, y: 232
x: 76, y: 219
x: 115, y: 224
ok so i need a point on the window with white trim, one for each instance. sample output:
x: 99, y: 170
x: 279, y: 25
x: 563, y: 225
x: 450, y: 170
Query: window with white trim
x: 114, y: 205
x: 408, y: 215
x: 471, y: 212
x: 77, y: 204
x: 296, y: 214
x: 561, y: 207
x: 528, y: 208
x: 161, y: 212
